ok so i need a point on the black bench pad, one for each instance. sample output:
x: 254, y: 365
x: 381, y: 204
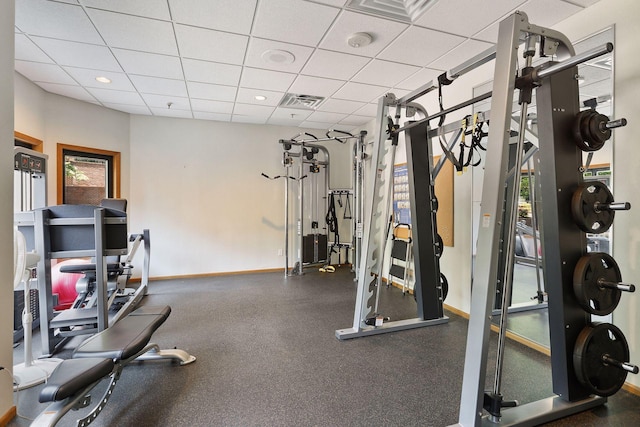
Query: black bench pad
x: 127, y: 337
x: 71, y: 376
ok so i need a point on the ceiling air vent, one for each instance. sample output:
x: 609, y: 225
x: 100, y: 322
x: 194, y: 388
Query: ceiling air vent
x: 305, y: 102
x: 402, y: 10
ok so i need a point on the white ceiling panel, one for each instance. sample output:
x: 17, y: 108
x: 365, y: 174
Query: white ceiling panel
x: 340, y: 106
x: 420, y: 46
x: 210, y: 45
x: 87, y: 78
x: 248, y: 96
x: 420, y: 78
x: 211, y: 116
x: 266, y: 79
x: 538, y: 11
x: 384, y: 73
x: 356, y: 120
x: 26, y: 50
x: 459, y: 54
x: 446, y: 15
x: 75, y: 92
x: 383, y: 32
x: 211, y: 72
x: 307, y: 85
x: 276, y: 121
x: 131, y: 109
x: 294, y: 22
x: 209, y: 106
x: 132, y: 32
x: 257, y: 47
x: 316, y: 125
x: 78, y: 54
x: 256, y: 120
x: 163, y: 101
x: 253, y: 110
x: 116, y: 96
x: 56, y: 20
x: 323, y: 64
x: 149, y: 64
x: 369, y: 110
x: 39, y: 72
x: 159, y: 86
x: 336, y: 3
x: 360, y: 92
x: 322, y: 116
x: 291, y: 113
x: 213, y: 92
x: 148, y: 8
x: 234, y: 16
x: 165, y: 112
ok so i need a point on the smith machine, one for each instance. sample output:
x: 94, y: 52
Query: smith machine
x: 312, y: 174
x: 589, y: 360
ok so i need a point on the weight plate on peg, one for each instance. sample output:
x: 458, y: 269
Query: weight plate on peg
x: 594, y: 342
x: 591, y: 295
x: 439, y: 246
x: 584, y: 207
x: 589, y: 131
x: 444, y: 285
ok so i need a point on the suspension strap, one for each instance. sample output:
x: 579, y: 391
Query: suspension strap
x: 347, y: 208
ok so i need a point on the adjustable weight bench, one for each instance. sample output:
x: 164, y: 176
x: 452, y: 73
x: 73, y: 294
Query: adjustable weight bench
x: 100, y: 356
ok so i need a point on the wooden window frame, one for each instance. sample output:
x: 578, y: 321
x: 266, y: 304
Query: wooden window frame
x: 60, y: 169
x: 36, y: 144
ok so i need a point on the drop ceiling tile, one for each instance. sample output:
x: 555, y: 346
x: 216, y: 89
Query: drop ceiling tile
x: 286, y: 113
x: 419, y: 79
x: 306, y: 85
x: 340, y: 106
x: 489, y: 34
x: 446, y: 16
x: 116, y: 96
x: 538, y: 11
x: 212, y: 116
x: 87, y: 78
x: 238, y: 118
x: 164, y: 112
x: 234, y: 16
x: 253, y: 110
x: 420, y: 46
x: 210, y: 45
x: 334, y: 65
x: 80, y: 55
x: 39, y: 72
x: 149, y: 64
x: 259, y: 46
x: 336, y: 3
x: 317, y: 125
x: 26, y: 50
x: 247, y: 96
x: 213, y: 92
x: 266, y: 79
x: 460, y: 54
x: 356, y: 120
x: 211, y: 72
x: 136, y: 33
x: 131, y: 109
x: 360, y: 92
x: 209, y: 106
x: 159, y: 86
x: 585, y: 3
x: 149, y: 8
x: 297, y: 22
x: 75, y: 92
x: 321, y: 116
x: 383, y: 32
x: 284, y: 122
x: 56, y: 20
x: 162, y: 101
x: 384, y: 73
x: 369, y: 110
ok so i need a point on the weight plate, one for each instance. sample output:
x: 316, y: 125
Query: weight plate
x: 584, y: 207
x: 586, y: 130
x: 593, y: 297
x: 439, y: 246
x: 592, y: 344
x: 444, y: 285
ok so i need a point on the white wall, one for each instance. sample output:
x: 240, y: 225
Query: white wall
x: 197, y: 186
x: 6, y: 209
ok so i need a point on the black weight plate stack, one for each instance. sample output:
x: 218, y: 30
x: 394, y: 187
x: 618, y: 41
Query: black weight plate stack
x: 589, y: 130
x: 444, y: 285
x: 583, y: 207
x: 593, y: 343
x: 439, y: 246
x: 591, y: 295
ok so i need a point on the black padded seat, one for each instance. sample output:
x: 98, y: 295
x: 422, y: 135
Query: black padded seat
x: 127, y: 337
x: 71, y: 376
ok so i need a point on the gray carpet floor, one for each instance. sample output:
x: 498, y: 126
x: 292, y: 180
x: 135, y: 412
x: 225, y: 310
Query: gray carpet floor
x: 267, y: 356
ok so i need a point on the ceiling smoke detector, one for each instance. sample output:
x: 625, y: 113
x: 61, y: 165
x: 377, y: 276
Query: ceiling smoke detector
x: 277, y: 56
x: 359, y: 40
x: 302, y: 102
x: 402, y: 10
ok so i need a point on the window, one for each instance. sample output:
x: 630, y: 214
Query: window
x: 87, y: 175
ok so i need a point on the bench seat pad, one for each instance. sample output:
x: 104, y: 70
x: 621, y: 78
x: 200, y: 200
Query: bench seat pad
x: 127, y: 337
x: 74, y: 375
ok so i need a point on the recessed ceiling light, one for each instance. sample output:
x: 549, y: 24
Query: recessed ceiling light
x: 260, y: 98
x: 277, y: 56
x: 103, y: 79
